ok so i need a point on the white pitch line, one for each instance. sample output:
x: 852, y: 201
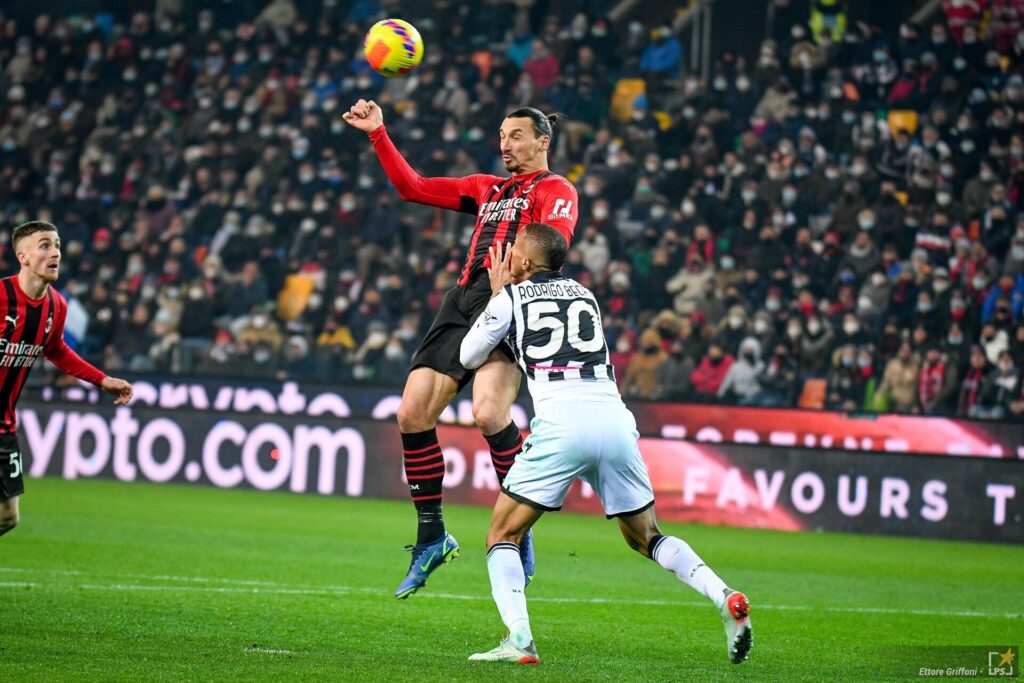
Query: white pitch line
x: 268, y: 651
x: 349, y: 590
x: 16, y: 584
x: 143, y: 577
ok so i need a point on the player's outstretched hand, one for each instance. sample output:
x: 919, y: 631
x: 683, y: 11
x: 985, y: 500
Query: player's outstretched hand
x: 121, y: 390
x: 365, y: 116
x: 500, y: 270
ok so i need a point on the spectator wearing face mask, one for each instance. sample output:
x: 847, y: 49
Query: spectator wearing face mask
x: 673, y: 380
x: 899, y: 382
x: 816, y: 346
x: 780, y: 379
x: 1008, y: 295
x: 640, y: 380
x: 688, y: 286
x: 994, y: 341
x: 936, y: 382
x: 742, y: 381
x: 846, y: 382
x: 999, y: 389
x: 708, y: 376
x: 972, y: 381
x: 733, y: 328
x: 978, y: 190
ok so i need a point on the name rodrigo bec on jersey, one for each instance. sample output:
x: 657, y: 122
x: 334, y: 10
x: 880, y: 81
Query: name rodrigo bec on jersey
x: 550, y: 290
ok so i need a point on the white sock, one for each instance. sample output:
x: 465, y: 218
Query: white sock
x: 677, y: 556
x: 508, y: 586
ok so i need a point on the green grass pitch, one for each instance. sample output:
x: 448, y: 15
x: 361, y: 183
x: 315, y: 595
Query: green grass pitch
x: 109, y: 581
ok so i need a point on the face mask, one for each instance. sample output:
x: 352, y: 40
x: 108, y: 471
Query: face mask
x: 450, y: 136
x: 761, y: 326
x: 979, y: 283
x: 814, y: 327
x: 793, y: 332
x: 866, y: 223
x: 924, y: 306
x: 748, y: 196
x: 1005, y: 367
x: 773, y: 305
x: 657, y: 212
x: 789, y: 196
x: 727, y: 263
x: 735, y: 322
x: 1018, y: 253
x: 600, y: 213
x: 851, y: 328
x: 365, y: 182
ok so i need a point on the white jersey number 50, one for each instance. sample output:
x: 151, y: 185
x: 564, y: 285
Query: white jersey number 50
x: 541, y: 315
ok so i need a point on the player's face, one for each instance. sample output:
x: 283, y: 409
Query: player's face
x: 40, y: 252
x: 521, y: 149
x: 520, y: 261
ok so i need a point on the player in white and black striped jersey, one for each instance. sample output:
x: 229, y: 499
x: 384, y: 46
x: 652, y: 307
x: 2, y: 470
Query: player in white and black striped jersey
x: 582, y: 429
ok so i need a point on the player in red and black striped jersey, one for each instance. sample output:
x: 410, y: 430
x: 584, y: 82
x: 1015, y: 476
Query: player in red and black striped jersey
x: 33, y: 325
x: 501, y: 206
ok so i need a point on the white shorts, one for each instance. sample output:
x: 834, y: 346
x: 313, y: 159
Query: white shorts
x: 590, y: 440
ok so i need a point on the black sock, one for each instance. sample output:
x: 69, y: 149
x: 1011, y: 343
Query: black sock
x: 653, y: 545
x: 424, y: 470
x: 505, y: 446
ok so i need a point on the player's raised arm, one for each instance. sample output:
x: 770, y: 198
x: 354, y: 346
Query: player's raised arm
x: 457, y: 194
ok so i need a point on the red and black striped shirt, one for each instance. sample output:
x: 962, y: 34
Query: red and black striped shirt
x: 30, y: 328
x: 501, y: 205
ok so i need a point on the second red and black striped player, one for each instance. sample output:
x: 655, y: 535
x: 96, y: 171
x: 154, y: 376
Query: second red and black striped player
x: 33, y: 326
x: 501, y: 206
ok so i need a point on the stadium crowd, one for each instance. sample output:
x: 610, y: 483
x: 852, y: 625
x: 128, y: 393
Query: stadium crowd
x: 837, y: 223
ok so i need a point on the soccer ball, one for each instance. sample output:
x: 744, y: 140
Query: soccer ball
x: 393, y: 47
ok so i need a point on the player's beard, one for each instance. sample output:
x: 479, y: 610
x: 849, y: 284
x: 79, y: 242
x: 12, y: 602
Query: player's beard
x: 48, y: 274
x: 512, y: 165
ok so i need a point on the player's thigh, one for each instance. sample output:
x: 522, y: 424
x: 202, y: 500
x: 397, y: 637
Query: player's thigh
x: 511, y: 520
x: 619, y: 475
x: 426, y: 394
x: 495, y: 387
x: 549, y: 462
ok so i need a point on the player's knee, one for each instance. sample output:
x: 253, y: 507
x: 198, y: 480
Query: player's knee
x: 8, y: 521
x: 412, y: 418
x: 504, y: 534
x: 490, y: 417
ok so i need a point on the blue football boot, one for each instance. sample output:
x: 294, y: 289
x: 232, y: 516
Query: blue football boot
x: 426, y: 557
x: 527, y: 556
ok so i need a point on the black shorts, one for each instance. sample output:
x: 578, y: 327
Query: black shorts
x: 460, y: 308
x: 12, y: 479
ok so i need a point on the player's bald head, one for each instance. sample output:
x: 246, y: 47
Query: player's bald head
x: 545, y: 246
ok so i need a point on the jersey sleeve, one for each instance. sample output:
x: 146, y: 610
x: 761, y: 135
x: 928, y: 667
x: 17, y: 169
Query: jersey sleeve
x: 487, y: 332
x: 559, y: 206
x: 63, y: 356
x: 456, y: 194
